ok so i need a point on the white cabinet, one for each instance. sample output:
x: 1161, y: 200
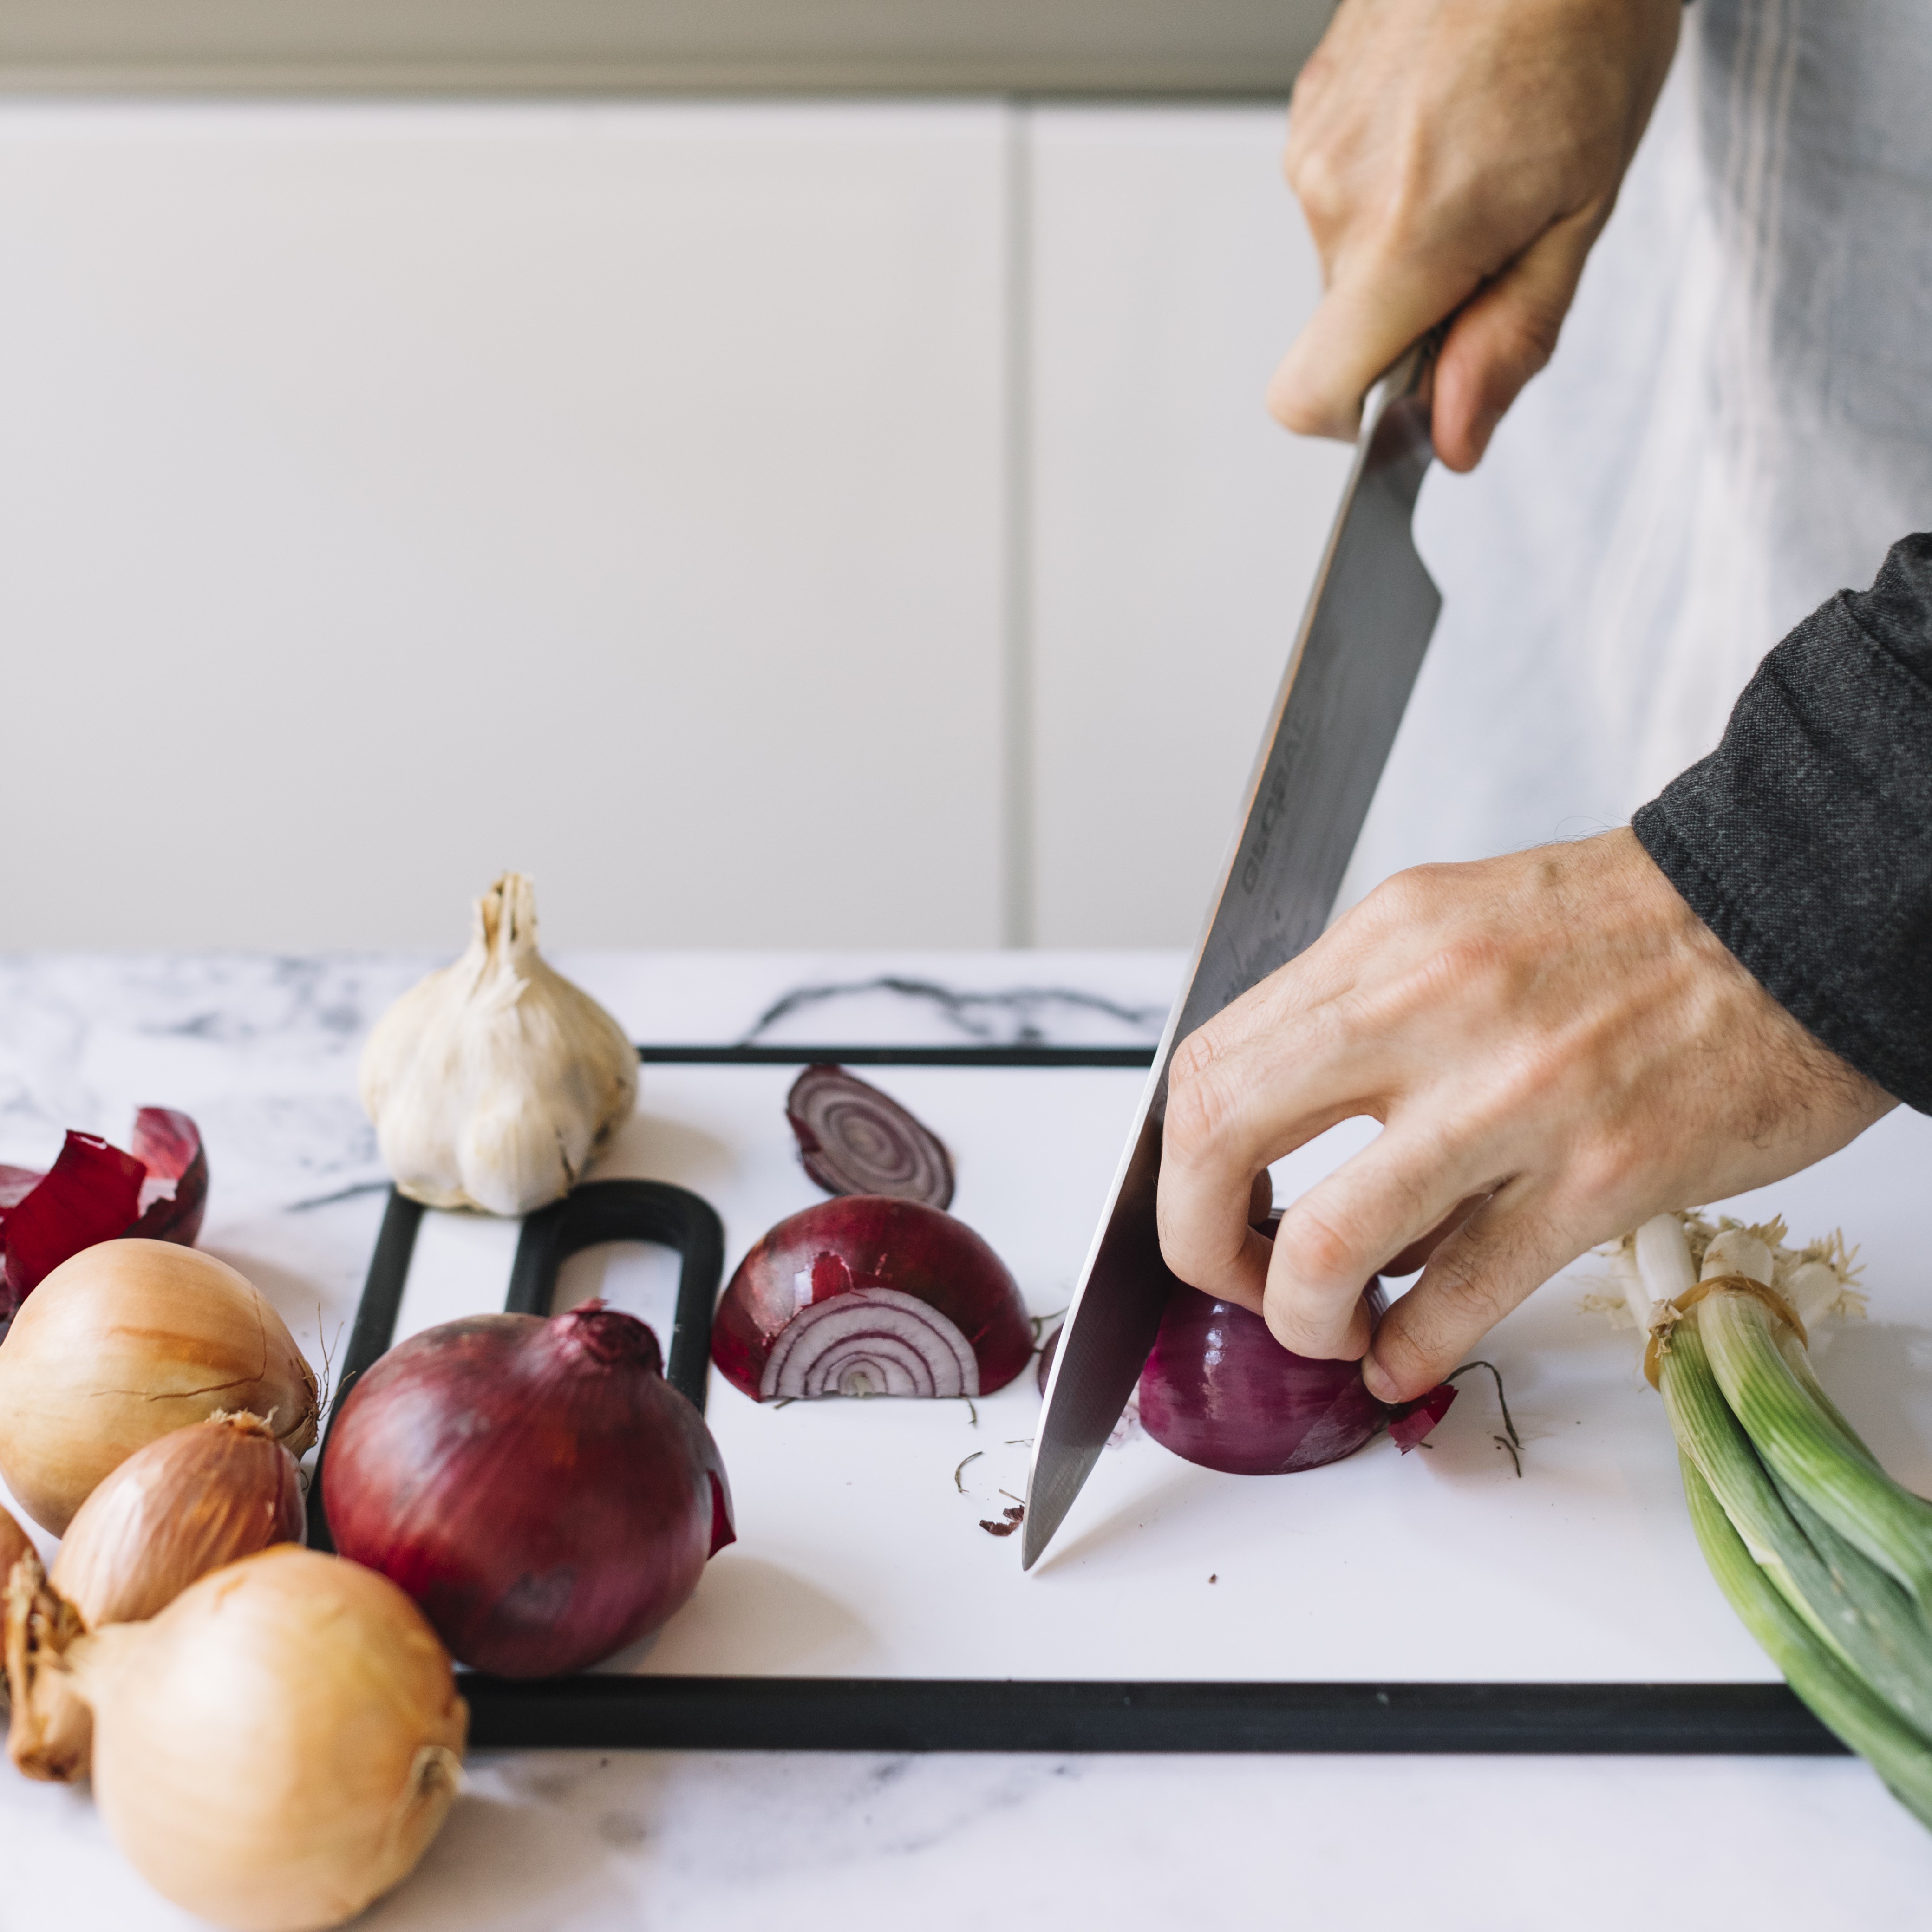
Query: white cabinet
x: 1175, y: 529
x: 790, y: 524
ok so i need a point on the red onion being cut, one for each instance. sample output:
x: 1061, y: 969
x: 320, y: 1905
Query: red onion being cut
x: 866, y: 1295
x: 537, y: 1487
x: 1219, y: 1390
x: 95, y: 1192
x: 853, y: 1139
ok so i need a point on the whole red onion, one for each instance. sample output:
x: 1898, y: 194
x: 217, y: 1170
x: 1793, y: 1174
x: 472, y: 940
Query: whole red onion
x: 537, y: 1486
x: 868, y: 1295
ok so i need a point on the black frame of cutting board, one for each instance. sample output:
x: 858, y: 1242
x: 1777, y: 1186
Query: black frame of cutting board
x: 593, y: 1711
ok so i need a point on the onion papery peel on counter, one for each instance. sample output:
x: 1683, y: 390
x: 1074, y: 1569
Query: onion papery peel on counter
x: 96, y: 1191
x: 1825, y: 1558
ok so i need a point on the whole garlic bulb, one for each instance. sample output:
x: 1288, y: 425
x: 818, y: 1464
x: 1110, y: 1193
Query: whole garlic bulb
x: 492, y: 1082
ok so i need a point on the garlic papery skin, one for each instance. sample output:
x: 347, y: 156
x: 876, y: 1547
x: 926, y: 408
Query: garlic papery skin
x: 200, y: 1497
x: 124, y: 1342
x: 492, y: 1083
x: 278, y: 1747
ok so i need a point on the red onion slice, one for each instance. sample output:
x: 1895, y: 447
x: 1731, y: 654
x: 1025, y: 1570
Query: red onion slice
x: 854, y: 1139
x: 865, y: 1293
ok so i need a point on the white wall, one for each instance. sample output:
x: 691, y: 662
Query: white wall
x: 769, y: 524
x: 1175, y: 529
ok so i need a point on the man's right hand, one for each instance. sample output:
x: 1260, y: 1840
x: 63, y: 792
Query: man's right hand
x: 1459, y: 157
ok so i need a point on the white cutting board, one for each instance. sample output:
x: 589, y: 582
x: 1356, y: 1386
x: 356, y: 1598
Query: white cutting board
x: 858, y: 1556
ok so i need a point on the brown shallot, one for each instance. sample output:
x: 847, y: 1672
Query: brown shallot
x: 200, y: 1497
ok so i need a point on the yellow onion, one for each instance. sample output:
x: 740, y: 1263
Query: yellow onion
x: 277, y: 1748
x: 200, y: 1497
x: 125, y: 1342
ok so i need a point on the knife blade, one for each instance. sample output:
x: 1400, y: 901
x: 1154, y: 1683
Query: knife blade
x: 1367, y: 625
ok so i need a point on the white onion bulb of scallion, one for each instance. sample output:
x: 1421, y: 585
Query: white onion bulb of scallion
x: 277, y: 1747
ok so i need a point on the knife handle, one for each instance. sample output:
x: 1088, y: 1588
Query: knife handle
x: 1410, y: 377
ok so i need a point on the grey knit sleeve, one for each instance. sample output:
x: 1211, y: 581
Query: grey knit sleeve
x: 1805, y: 840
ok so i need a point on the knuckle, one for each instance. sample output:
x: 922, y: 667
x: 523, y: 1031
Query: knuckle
x: 1406, y: 899
x: 1198, y: 1108
x: 1317, y: 184
x: 1465, y: 1288
x: 1325, y: 1250
x: 1193, y: 1057
x: 1526, y: 332
x: 1602, y: 1170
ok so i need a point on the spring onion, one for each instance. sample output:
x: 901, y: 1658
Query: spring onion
x: 1826, y: 1559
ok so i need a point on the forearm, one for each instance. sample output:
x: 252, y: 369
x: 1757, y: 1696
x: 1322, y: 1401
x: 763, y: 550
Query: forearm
x: 1804, y: 841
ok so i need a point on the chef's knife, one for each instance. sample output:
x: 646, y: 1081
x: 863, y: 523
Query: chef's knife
x: 1367, y: 623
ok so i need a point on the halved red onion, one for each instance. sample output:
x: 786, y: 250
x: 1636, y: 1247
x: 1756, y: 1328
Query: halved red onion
x: 854, y: 1139
x: 537, y: 1486
x: 868, y: 1295
x: 93, y: 1193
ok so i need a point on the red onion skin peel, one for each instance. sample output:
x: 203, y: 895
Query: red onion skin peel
x: 95, y: 1192
x: 537, y: 1487
x: 865, y: 1294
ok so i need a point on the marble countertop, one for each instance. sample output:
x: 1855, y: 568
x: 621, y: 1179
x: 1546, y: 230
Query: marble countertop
x: 263, y: 1052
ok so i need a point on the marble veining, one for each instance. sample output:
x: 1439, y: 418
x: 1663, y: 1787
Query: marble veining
x: 263, y: 1051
